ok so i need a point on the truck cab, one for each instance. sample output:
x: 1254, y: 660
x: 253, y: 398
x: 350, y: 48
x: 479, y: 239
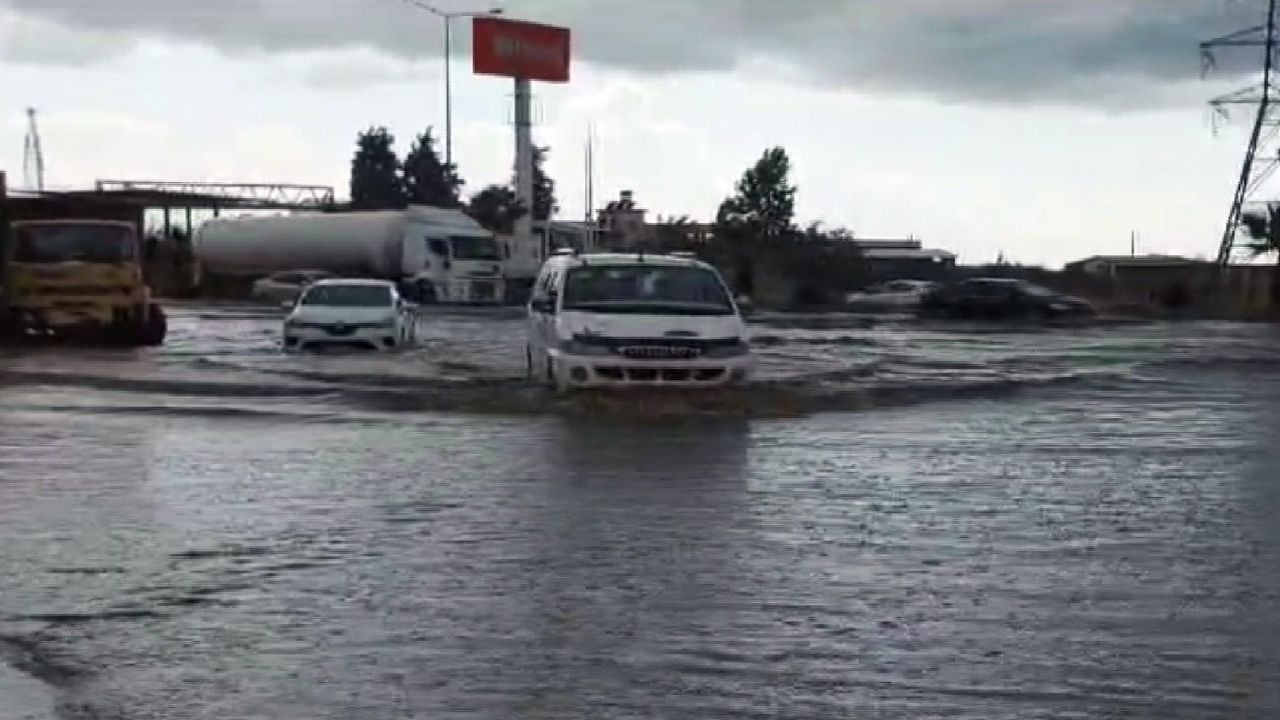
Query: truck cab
x: 461, y: 268
x: 78, y: 278
x: 523, y: 257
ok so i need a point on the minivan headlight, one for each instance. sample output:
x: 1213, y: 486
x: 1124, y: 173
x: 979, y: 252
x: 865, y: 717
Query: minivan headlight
x: 735, y: 347
x: 585, y: 345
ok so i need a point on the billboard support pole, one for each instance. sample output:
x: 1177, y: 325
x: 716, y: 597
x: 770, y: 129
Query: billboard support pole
x: 524, y: 158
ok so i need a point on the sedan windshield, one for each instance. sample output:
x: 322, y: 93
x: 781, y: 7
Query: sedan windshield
x: 648, y: 289
x: 365, y: 296
x: 73, y: 243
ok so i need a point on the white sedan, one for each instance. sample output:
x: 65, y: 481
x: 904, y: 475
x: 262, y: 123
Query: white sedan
x: 352, y: 313
x: 288, y: 285
x: 893, y: 295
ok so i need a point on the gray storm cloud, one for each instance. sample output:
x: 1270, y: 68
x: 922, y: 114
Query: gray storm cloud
x: 982, y: 50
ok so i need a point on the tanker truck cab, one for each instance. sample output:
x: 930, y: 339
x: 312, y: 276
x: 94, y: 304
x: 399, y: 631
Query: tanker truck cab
x: 458, y: 267
x: 619, y: 320
x: 79, y: 278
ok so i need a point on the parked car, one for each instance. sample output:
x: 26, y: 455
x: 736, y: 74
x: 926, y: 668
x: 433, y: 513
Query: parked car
x: 362, y: 313
x: 998, y: 298
x: 633, y: 320
x: 892, y: 295
x: 286, y: 286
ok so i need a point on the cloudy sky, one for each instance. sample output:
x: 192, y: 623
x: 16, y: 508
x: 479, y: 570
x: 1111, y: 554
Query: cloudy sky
x: 1046, y: 129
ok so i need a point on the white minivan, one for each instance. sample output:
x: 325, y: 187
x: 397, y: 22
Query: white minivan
x: 609, y: 320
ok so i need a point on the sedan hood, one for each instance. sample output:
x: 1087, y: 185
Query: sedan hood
x: 1072, y: 300
x: 352, y: 315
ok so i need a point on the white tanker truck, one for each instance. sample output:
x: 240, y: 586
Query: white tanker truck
x: 435, y: 254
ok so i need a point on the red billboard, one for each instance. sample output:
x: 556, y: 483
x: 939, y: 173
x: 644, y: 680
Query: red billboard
x: 528, y: 51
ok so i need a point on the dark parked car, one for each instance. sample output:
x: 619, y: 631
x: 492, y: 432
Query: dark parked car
x: 1002, y: 298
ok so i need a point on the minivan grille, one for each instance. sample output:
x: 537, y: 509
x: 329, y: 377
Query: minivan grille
x: 660, y: 352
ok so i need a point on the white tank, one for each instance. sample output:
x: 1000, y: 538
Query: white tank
x: 369, y: 244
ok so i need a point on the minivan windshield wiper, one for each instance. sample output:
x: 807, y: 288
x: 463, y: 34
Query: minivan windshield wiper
x: 632, y: 307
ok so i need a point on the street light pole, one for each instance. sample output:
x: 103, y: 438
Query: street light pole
x: 448, y: 91
x: 448, y: 18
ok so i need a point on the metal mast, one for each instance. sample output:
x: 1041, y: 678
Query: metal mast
x: 590, y: 199
x: 1262, y: 155
x: 32, y: 155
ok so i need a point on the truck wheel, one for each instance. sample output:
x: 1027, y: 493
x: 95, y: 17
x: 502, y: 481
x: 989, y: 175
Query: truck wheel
x: 154, y: 327
x: 425, y: 290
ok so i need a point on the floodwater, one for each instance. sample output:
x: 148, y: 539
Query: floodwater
x: 896, y: 521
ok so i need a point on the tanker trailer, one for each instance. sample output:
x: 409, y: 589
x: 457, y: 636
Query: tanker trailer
x: 433, y: 254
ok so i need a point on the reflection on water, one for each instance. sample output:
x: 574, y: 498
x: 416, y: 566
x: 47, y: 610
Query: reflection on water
x: 1014, y: 525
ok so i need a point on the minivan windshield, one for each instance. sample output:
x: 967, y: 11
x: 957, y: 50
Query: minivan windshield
x: 366, y: 296
x: 466, y: 247
x: 646, y: 289
x: 73, y: 242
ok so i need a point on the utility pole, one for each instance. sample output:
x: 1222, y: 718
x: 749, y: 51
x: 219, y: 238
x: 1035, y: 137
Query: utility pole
x: 1262, y: 154
x: 32, y: 155
x: 589, y: 211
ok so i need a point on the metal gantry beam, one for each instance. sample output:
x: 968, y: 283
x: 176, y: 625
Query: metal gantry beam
x: 1259, y: 164
x: 283, y: 196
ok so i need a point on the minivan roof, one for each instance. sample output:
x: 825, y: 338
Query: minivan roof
x: 354, y: 282
x: 626, y: 259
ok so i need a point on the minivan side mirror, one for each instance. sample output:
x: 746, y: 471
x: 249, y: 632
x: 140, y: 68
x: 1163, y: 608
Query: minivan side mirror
x: 547, y: 305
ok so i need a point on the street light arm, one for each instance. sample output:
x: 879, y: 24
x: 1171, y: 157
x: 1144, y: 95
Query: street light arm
x: 428, y: 7
x: 451, y: 15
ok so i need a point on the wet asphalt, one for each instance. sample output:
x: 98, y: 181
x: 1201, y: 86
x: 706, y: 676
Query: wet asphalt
x: 896, y: 521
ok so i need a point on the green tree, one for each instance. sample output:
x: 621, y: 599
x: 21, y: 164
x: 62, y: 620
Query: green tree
x: 428, y: 180
x: 544, y: 188
x: 1263, y: 231
x: 496, y: 209
x: 827, y: 265
x: 673, y: 233
x: 763, y: 204
x: 375, y: 180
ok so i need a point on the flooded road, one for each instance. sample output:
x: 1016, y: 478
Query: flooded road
x: 896, y: 521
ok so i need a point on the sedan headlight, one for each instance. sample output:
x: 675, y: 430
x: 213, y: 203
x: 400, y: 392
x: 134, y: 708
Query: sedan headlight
x: 296, y: 324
